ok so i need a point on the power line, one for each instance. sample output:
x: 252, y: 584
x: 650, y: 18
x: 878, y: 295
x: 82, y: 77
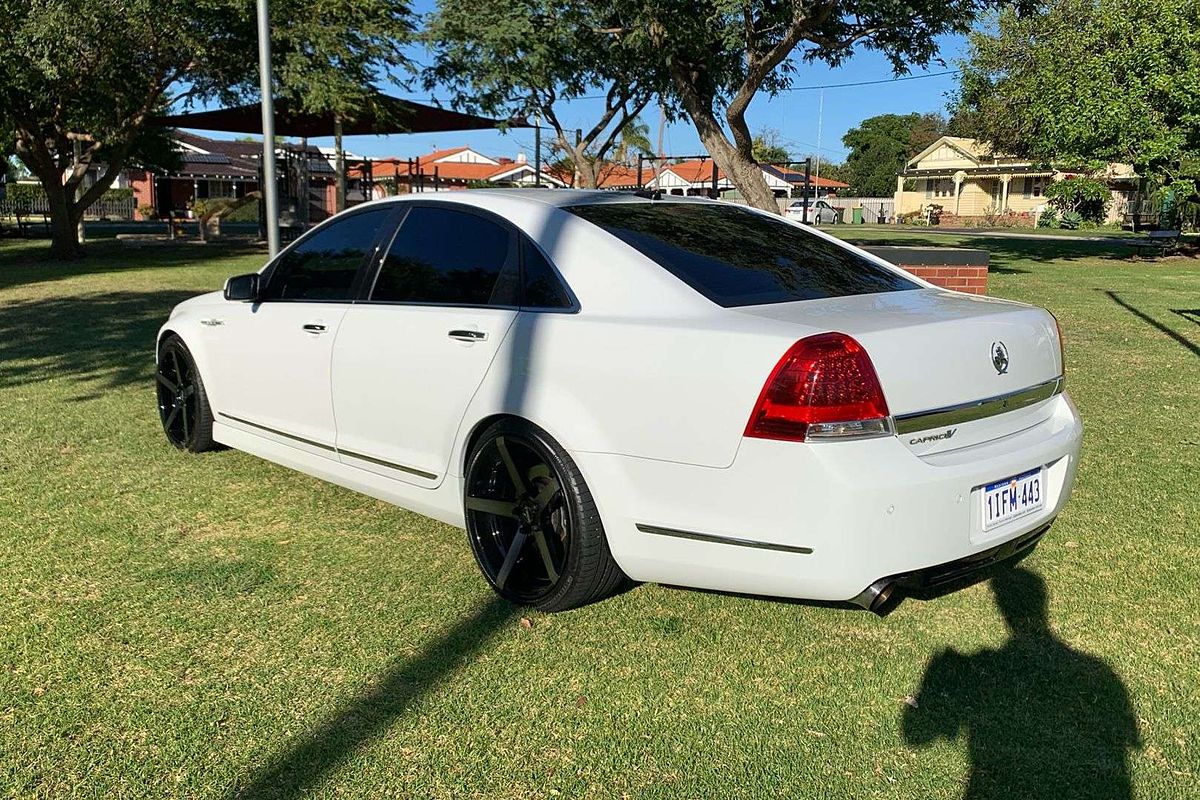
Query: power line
x: 870, y: 83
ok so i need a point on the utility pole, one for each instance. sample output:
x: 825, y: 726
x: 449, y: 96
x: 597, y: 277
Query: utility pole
x: 537, y: 151
x: 269, y: 188
x: 820, y: 121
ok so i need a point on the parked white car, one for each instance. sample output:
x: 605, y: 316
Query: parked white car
x: 820, y: 212
x: 600, y: 386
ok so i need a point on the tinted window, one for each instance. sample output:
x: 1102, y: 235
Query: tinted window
x: 323, y: 265
x: 446, y: 256
x: 541, y: 286
x: 735, y: 257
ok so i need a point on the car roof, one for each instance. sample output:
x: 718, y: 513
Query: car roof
x: 557, y: 198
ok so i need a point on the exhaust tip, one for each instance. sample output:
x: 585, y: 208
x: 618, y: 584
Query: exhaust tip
x: 877, y: 598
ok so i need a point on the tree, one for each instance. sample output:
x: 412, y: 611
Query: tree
x: 79, y: 79
x: 880, y: 146
x: 719, y: 54
x: 767, y: 147
x: 499, y: 58
x: 1088, y: 82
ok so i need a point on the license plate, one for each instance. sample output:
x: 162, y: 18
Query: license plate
x: 1013, y: 497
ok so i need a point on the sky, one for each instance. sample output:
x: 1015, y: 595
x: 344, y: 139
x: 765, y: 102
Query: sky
x: 809, y: 120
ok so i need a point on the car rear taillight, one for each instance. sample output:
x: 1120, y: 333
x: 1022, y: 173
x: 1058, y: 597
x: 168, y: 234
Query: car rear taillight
x: 824, y: 387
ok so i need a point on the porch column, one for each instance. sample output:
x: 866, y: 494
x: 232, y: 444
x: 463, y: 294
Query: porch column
x: 1004, y: 181
x: 899, y: 198
x: 958, y: 182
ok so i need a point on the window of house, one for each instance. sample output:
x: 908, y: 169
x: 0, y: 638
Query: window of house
x: 449, y: 257
x: 324, y: 264
x: 943, y: 187
x: 1034, y: 186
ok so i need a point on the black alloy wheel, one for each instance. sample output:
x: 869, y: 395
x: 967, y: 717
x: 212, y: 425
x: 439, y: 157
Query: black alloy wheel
x: 182, y: 402
x: 531, y: 521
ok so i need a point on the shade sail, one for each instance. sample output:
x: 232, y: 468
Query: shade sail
x: 383, y: 115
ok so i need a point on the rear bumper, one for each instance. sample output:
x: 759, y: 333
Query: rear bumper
x: 940, y: 578
x: 822, y: 521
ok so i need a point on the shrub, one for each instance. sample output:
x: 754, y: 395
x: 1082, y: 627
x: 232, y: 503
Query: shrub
x: 1049, y: 218
x: 1087, y: 197
x: 1071, y: 220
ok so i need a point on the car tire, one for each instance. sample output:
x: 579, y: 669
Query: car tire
x: 183, y: 407
x: 532, y: 523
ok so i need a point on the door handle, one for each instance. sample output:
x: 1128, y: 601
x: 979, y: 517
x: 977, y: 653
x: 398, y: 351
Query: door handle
x: 467, y: 336
x: 314, y: 327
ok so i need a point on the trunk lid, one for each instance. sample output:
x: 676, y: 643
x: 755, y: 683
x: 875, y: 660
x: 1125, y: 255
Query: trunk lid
x: 935, y: 349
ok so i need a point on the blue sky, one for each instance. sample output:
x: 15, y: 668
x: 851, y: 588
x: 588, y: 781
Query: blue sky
x: 793, y: 114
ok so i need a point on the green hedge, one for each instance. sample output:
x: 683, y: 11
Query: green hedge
x: 26, y: 194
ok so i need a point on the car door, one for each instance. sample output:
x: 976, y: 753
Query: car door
x: 274, y: 354
x: 410, y: 356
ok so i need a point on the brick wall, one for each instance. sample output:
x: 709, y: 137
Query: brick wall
x: 949, y: 267
x: 972, y: 280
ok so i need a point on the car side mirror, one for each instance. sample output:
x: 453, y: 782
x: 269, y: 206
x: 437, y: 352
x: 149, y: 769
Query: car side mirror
x: 242, y: 288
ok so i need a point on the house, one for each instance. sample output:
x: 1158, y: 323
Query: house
x: 450, y: 169
x: 968, y: 180
x: 695, y: 178
x: 211, y: 168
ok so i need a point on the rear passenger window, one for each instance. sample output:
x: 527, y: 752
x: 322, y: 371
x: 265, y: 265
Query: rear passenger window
x: 449, y: 257
x: 323, y: 265
x: 541, y: 287
x: 735, y: 257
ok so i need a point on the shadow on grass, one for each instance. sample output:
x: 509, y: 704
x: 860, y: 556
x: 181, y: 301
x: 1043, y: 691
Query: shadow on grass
x: 107, y: 336
x: 1190, y: 314
x: 1041, y: 719
x: 360, y: 720
x: 1149, y: 320
x: 27, y: 261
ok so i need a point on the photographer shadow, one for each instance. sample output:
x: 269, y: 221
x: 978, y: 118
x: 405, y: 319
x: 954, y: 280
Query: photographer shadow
x: 1041, y: 719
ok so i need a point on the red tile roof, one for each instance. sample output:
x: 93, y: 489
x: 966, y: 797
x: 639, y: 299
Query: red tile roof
x: 700, y: 171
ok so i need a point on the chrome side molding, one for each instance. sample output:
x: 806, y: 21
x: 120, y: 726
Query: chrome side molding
x: 420, y: 473
x: 978, y: 409
x: 714, y: 539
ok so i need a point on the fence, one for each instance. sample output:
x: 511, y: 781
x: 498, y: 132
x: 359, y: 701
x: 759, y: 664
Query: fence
x: 121, y: 208
x: 876, y: 210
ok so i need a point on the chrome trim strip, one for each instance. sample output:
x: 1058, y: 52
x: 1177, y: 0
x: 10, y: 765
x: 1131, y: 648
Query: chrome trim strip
x: 714, y: 539
x: 978, y: 409
x: 277, y: 432
x: 420, y: 473
x: 411, y: 470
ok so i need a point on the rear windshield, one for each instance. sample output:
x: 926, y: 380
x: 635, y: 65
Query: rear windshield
x: 735, y: 257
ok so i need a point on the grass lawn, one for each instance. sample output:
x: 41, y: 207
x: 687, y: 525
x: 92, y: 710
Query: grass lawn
x: 214, y: 625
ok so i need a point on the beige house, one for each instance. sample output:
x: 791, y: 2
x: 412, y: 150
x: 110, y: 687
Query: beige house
x: 967, y: 179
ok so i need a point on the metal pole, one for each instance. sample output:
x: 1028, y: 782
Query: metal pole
x: 807, y: 188
x: 716, y: 195
x: 537, y: 152
x: 80, y: 235
x: 640, y: 185
x: 269, y: 188
x: 339, y: 166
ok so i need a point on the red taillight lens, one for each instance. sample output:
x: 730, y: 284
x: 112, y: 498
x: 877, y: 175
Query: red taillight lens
x: 824, y: 387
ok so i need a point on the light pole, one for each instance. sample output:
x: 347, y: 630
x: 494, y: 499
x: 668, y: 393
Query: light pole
x: 269, y: 187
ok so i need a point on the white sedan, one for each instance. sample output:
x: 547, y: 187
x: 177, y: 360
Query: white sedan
x: 602, y: 387
x: 820, y: 212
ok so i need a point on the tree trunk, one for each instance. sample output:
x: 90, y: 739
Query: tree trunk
x: 586, y: 170
x: 64, y: 220
x: 737, y: 163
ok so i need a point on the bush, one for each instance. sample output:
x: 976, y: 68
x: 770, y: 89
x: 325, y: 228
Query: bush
x: 1087, y: 197
x: 1049, y: 219
x: 1071, y: 220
